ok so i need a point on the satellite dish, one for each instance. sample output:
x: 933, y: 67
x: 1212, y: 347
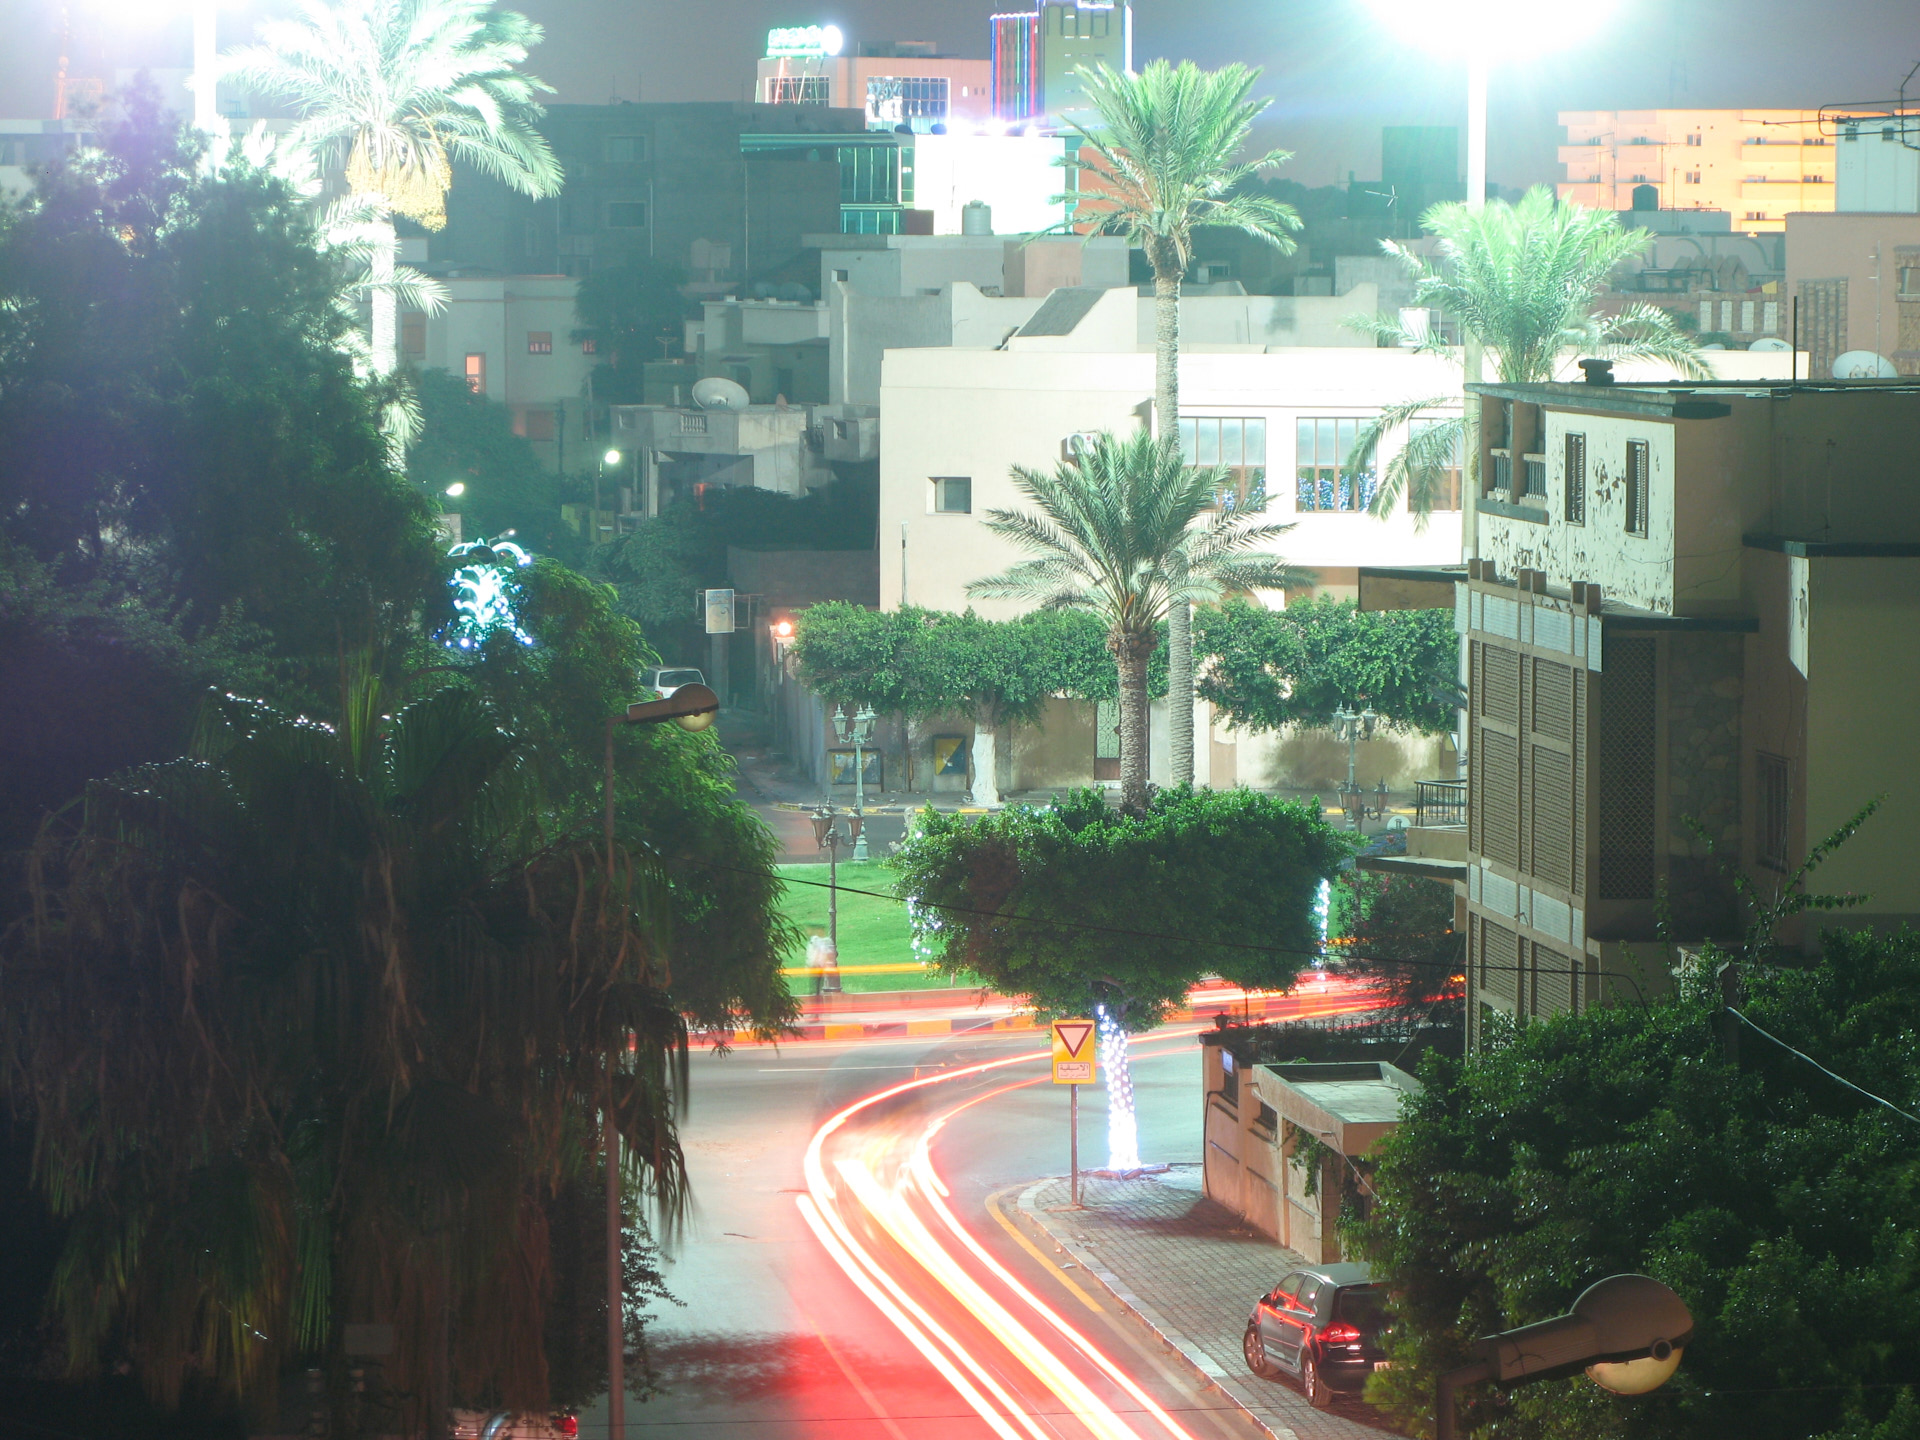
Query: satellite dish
x: 1772, y: 345
x: 1864, y: 365
x: 716, y: 392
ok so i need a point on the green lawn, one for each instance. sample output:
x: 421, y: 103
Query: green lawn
x: 873, y: 931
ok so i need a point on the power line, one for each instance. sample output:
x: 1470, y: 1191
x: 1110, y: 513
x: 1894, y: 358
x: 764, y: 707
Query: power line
x: 1821, y: 1068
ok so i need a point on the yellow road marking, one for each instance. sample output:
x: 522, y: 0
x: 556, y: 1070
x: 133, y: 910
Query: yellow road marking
x: 993, y: 1208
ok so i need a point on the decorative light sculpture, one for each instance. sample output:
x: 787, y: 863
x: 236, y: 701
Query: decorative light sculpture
x: 483, y: 593
x: 1123, y: 1122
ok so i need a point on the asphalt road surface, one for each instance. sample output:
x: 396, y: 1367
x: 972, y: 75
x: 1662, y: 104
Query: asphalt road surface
x: 855, y: 1274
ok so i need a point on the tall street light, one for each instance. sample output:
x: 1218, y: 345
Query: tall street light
x: 857, y: 730
x: 692, y: 707
x: 1482, y: 31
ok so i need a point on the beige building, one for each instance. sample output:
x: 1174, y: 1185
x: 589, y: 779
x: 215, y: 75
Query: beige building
x: 908, y: 84
x: 1757, y: 165
x: 1287, y: 1145
x: 1857, y: 278
x: 1692, y: 632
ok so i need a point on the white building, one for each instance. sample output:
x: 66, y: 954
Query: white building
x: 957, y: 420
x: 1879, y: 169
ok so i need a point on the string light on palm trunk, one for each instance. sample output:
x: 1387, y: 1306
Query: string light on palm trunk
x: 1123, y: 1122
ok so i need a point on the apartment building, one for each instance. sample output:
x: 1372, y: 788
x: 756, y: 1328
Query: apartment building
x: 1856, y: 277
x: 893, y: 82
x: 1757, y: 165
x: 1037, y: 56
x: 1691, y: 633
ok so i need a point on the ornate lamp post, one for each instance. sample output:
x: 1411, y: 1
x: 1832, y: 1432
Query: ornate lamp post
x: 857, y: 730
x: 1353, y: 727
x: 832, y: 829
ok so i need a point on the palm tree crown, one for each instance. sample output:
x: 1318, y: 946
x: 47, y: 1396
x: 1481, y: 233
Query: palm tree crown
x: 399, y: 89
x: 1162, y: 160
x: 1523, y: 279
x: 1115, y: 533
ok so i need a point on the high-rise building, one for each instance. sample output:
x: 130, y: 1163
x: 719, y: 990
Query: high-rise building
x: 1037, y: 53
x: 1757, y: 165
x: 895, y: 82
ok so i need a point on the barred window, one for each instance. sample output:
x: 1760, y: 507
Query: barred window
x: 1576, y: 479
x: 1637, y: 466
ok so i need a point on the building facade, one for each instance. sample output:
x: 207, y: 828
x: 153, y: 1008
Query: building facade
x: 1690, y: 634
x: 1856, y: 277
x: 892, y: 83
x: 1757, y: 165
x: 1035, y: 56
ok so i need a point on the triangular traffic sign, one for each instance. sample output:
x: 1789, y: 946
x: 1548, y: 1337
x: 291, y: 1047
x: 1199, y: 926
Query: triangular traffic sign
x: 1072, y: 1035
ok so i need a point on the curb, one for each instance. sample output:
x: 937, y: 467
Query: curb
x: 885, y: 1028
x: 1170, y: 1336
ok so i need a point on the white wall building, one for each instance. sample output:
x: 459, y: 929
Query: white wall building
x: 1879, y: 164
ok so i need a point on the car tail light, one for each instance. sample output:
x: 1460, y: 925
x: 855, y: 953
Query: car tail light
x: 1341, y: 1335
x: 568, y: 1425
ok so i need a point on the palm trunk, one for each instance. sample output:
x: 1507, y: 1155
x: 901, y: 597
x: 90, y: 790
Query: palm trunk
x: 1130, y: 655
x: 1166, y: 408
x: 385, y: 346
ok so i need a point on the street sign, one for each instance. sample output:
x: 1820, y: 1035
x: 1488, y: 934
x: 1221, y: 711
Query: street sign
x: 719, y: 610
x: 1073, y: 1062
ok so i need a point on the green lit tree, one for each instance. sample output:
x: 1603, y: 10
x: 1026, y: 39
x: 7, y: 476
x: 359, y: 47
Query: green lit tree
x: 1162, y: 158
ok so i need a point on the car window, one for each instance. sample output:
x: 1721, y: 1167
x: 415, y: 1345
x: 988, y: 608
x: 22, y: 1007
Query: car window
x: 678, y: 677
x: 1362, y: 1306
x: 1286, y: 1289
x: 1309, y: 1293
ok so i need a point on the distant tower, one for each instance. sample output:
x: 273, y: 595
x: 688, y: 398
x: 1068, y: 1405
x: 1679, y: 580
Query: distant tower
x: 1035, y: 54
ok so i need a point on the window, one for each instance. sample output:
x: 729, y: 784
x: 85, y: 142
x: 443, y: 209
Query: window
x: 627, y: 215
x: 1229, y: 1077
x: 1746, y: 317
x: 534, y: 422
x: 413, y: 333
x: 476, y: 373
x: 539, y: 342
x: 1693, y: 139
x: 1726, y: 316
x: 1770, y: 316
x: 1325, y: 471
x: 796, y: 90
x: 1756, y: 215
x: 1693, y: 177
x: 1910, y: 282
x: 901, y: 99
x: 1446, y: 494
x: 1706, y: 315
x: 623, y: 149
x: 1774, y: 801
x: 953, y: 494
x: 1637, y: 487
x: 1576, y: 479
x: 589, y: 346
x: 1238, y: 444
x: 1268, y: 1119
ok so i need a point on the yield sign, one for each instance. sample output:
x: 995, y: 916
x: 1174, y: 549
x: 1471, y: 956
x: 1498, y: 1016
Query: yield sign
x: 1070, y: 1038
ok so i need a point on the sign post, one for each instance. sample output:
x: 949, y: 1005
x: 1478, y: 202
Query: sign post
x: 1073, y: 1066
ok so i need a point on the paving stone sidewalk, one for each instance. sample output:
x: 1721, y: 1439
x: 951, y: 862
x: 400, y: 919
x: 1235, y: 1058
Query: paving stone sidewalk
x: 1190, y: 1269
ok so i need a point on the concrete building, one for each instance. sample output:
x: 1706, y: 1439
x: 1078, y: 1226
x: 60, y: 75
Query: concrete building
x: 1857, y: 279
x: 1287, y: 1145
x: 893, y: 83
x: 26, y: 144
x: 1757, y: 165
x: 1036, y: 54
x: 1690, y: 633
x: 1879, y: 168
x: 956, y: 420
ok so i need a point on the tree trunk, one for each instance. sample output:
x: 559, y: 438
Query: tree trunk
x: 986, y: 787
x: 385, y: 339
x: 1166, y: 410
x: 1130, y: 655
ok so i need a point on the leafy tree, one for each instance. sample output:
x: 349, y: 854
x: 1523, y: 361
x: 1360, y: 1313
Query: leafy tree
x: 1115, y: 536
x: 395, y: 91
x: 1522, y: 278
x: 1397, y: 931
x: 1048, y: 903
x: 1161, y: 160
x: 310, y: 1023
x: 626, y: 311
x: 1269, y: 668
x: 1777, y: 1201
x: 468, y: 438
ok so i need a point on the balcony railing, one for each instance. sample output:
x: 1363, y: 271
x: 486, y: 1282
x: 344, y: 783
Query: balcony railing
x: 1439, y: 802
x: 1533, y: 477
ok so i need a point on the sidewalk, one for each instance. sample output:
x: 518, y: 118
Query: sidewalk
x: 1191, y: 1270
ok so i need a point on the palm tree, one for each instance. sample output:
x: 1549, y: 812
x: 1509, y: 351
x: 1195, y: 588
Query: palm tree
x: 1114, y: 535
x: 395, y: 91
x: 1522, y: 278
x: 1161, y: 161
x: 314, y: 1024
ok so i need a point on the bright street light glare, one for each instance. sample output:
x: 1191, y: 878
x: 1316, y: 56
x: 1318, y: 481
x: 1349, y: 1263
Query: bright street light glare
x: 1502, y: 28
x: 613, y: 457
x: 457, y: 489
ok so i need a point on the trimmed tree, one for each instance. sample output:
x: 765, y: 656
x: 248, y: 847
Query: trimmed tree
x: 1080, y: 908
x: 1162, y: 160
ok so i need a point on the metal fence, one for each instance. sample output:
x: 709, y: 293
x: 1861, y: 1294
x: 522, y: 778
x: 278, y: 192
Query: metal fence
x: 1440, y: 802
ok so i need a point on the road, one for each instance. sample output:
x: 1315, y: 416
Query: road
x: 936, y: 1320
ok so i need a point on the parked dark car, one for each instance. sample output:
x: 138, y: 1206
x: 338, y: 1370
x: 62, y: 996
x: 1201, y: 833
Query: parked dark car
x: 1321, y: 1325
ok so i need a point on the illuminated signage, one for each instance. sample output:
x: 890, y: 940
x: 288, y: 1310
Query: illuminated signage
x: 796, y: 41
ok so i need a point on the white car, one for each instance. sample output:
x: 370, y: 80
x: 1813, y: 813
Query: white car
x: 668, y: 678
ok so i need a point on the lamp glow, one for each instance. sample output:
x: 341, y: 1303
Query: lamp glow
x: 483, y: 596
x: 1636, y: 1377
x: 612, y: 457
x: 1500, y: 28
x: 457, y: 489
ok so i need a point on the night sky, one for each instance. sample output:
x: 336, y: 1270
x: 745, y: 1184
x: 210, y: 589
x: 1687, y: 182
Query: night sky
x: 1336, y: 78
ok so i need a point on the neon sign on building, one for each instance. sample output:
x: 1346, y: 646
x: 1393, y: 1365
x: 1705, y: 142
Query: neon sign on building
x: 804, y: 42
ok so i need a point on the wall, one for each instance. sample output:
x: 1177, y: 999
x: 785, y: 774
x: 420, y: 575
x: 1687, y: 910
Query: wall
x: 1877, y: 171
x: 1705, y: 695
x: 1269, y: 320
x: 1861, y: 249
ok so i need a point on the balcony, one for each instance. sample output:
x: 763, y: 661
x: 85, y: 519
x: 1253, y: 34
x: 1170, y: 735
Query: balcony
x: 1439, y: 803
x: 1437, y: 839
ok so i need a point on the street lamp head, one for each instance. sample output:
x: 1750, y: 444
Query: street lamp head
x: 612, y: 457
x: 1626, y: 1332
x: 1494, y: 28
x: 457, y: 489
